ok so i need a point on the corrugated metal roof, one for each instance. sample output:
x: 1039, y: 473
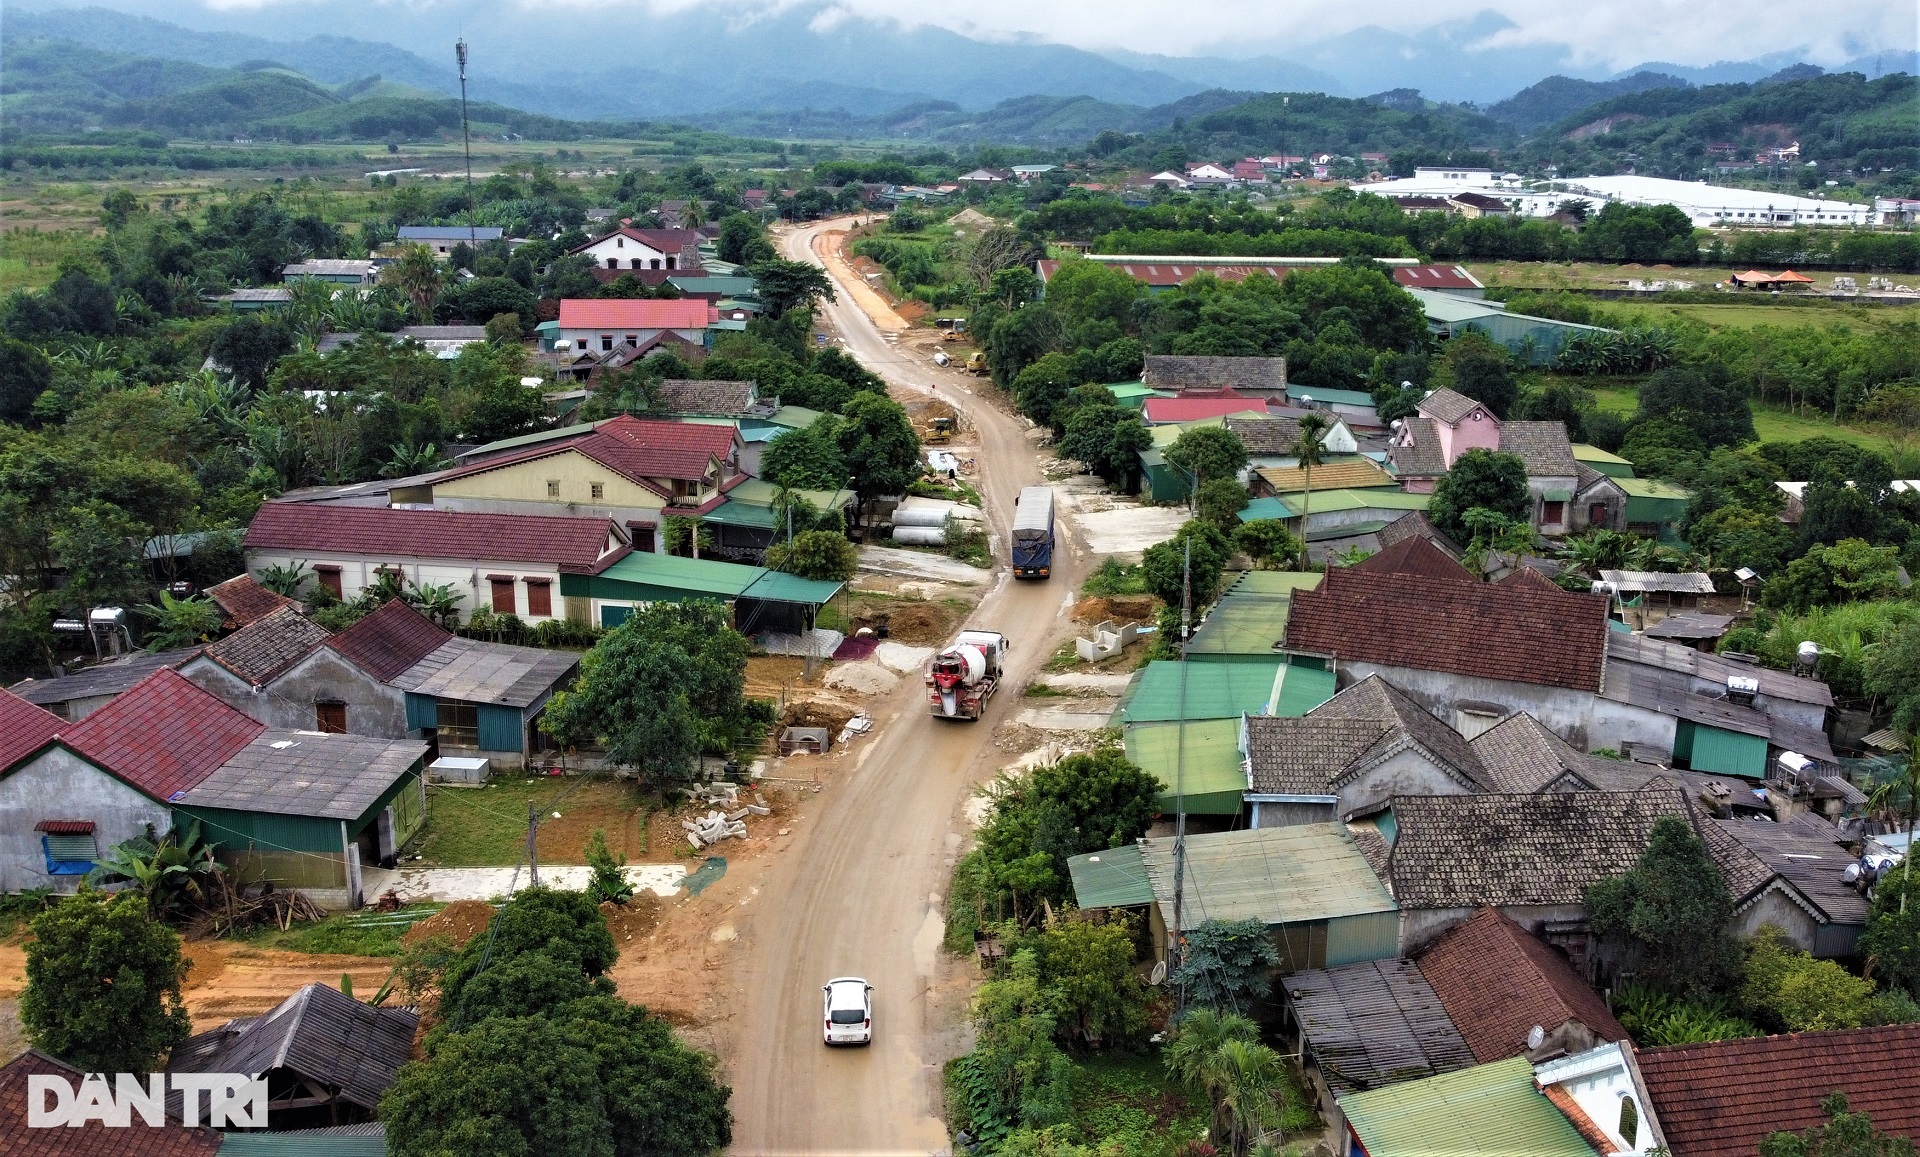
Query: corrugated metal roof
x: 306, y: 773
x: 1629, y: 581
x: 1212, y: 775
x: 1260, y: 508
x: 473, y: 671
x: 108, y: 678
x: 1275, y: 582
x: 319, y: 1033
x: 1115, y: 878
x: 1340, y: 501
x: 1486, y: 1111
x: 1373, y: 1024
x: 780, y: 587
x: 1287, y: 875
x: 696, y: 575
x: 369, y: 1140
x: 1222, y: 690
x: 1242, y: 625
x: 1653, y: 488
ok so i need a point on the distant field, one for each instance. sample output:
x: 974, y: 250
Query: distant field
x: 1772, y: 425
x: 1600, y: 275
x: 1859, y: 317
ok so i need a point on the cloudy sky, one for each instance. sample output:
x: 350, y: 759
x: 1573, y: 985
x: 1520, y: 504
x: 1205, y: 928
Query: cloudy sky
x: 1616, y: 32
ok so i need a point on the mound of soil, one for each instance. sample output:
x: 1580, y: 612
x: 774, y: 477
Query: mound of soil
x: 1116, y: 609
x: 814, y: 714
x: 920, y: 624
x: 632, y: 920
x: 461, y: 921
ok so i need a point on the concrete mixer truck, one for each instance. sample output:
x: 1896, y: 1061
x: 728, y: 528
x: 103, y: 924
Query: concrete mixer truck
x: 963, y: 675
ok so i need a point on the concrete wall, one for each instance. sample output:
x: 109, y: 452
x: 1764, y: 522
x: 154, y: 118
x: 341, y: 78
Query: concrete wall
x: 1581, y: 718
x: 1405, y: 772
x: 626, y: 516
x: 627, y: 250
x: 373, y: 708
x: 527, y: 482
x: 60, y: 785
x: 1775, y: 907
x: 1268, y: 814
x: 1419, y: 926
x: 468, y: 579
x: 1477, y: 431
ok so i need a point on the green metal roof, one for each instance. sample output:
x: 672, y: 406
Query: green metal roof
x: 1242, y: 625
x: 1654, y: 488
x: 1486, y: 1111
x: 1260, y: 508
x: 1338, y: 501
x: 1286, y: 875
x: 1212, y: 776
x: 1612, y: 465
x: 700, y: 576
x: 746, y: 514
x: 727, y: 286
x: 369, y: 1140
x: 1224, y: 690
x: 1275, y: 582
x: 1115, y: 878
x: 1302, y: 689
x: 1331, y: 397
x: 794, y: 417
x: 492, y: 448
x: 781, y: 587
x: 1132, y: 391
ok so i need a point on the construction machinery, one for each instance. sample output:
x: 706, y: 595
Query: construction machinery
x: 977, y: 363
x: 961, y: 678
x: 939, y: 432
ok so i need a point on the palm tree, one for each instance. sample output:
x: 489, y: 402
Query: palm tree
x: 1313, y: 429
x: 1194, y: 1055
x: 1252, y: 1072
x: 417, y: 274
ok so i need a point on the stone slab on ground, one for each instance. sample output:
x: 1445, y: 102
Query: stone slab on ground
x: 1125, y: 529
x: 901, y: 658
x: 1079, y: 715
x: 866, y: 677
x: 449, y: 884
x: 1096, y: 682
x: 918, y: 565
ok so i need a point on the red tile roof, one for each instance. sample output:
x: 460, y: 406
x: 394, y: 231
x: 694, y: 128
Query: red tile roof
x: 1434, y: 277
x: 1187, y: 409
x: 1497, y: 982
x: 390, y: 640
x: 1720, y: 1099
x: 1582, y: 1124
x: 1521, y: 632
x: 636, y: 313
x: 164, y: 735
x: 95, y: 1138
x: 1416, y: 556
x: 638, y: 449
x: 662, y: 240
x: 24, y: 728
x: 245, y: 600
x: 573, y: 544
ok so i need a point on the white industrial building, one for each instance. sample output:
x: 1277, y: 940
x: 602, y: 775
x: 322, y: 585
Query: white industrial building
x: 1705, y: 205
x: 1709, y: 205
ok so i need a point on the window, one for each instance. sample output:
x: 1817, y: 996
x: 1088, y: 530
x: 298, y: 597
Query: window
x: 619, y: 242
x: 654, y: 264
x: 457, y: 724
x: 503, y: 602
x: 330, y: 718
x: 1629, y: 1120
x: 553, y: 488
x: 642, y: 538
x: 633, y: 339
x: 598, y: 490
x: 636, y: 263
x: 329, y: 579
x: 606, y: 341
x: 613, y: 263
x: 539, y: 597
x: 1597, y: 514
x: 670, y: 262
x: 1553, y: 513
x: 69, y: 845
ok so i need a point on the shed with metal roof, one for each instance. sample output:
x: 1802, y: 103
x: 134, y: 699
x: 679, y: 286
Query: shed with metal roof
x: 1226, y: 688
x: 1210, y: 777
x: 763, y: 600
x: 1491, y: 1110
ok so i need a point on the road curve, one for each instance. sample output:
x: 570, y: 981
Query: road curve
x: 859, y: 892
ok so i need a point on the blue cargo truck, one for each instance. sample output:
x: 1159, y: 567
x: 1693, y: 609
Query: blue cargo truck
x: 1033, y: 532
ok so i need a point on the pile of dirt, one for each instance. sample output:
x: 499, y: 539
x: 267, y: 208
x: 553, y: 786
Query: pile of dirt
x: 865, y: 677
x: 813, y: 713
x: 912, y: 309
x: 1116, y: 609
x: 634, y: 919
x: 460, y: 921
x: 918, y: 624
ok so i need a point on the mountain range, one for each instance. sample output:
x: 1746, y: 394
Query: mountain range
x: 808, y: 55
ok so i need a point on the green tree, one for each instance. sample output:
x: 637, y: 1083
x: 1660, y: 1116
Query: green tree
x: 416, y: 274
x: 1227, y: 964
x: 1308, y: 448
x: 1479, y: 368
x: 507, y: 1087
x: 662, y: 1098
x: 1266, y: 541
x: 1893, y: 673
x: 1706, y: 399
x: 816, y: 554
x: 1219, y: 502
x: 790, y: 285
x: 1845, y: 1134
x: 180, y: 622
x: 609, y: 883
x: 1850, y: 570
x: 1673, y: 911
x: 248, y: 346
x: 807, y: 459
x: 877, y: 442
x: 1210, y: 452
x: 103, y: 985
x: 1196, y: 1057
x: 738, y: 232
x: 1085, y: 803
x: 1089, y: 984
x: 1107, y: 437
x: 564, y: 929
x: 1168, y: 573
x: 1791, y: 990
x: 482, y: 299
x: 25, y: 374
x: 1486, y: 479
x: 1891, y: 944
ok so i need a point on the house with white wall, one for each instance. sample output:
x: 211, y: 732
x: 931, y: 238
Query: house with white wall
x: 631, y: 250
x: 507, y: 563
x: 599, y: 325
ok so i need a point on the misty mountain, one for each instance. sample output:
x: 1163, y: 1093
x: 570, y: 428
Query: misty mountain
x: 1256, y: 74
x: 1026, y: 120
x: 1559, y: 97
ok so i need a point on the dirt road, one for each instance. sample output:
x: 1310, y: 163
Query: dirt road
x: 859, y: 893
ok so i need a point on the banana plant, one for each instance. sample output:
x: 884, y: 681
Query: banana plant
x: 171, y: 873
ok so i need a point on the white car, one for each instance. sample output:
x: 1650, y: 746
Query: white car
x: 849, y: 1011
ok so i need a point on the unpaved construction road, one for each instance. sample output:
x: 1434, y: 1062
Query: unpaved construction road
x: 859, y: 892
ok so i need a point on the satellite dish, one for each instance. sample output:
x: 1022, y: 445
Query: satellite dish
x: 1159, y: 974
x: 1536, y: 1036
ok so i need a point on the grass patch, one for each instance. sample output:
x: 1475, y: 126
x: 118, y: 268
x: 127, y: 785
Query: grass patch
x: 1128, y: 1105
x: 1045, y: 691
x: 1771, y: 424
x: 1824, y: 315
x: 346, y: 934
x: 1111, y: 578
x: 487, y: 827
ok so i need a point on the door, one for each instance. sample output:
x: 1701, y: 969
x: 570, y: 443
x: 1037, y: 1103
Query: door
x: 330, y: 718
x: 503, y: 601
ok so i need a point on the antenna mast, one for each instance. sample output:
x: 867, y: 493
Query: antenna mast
x: 466, y: 141
x: 1175, y: 954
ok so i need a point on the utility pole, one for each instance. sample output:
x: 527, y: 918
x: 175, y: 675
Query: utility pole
x: 466, y: 141
x: 533, y: 842
x: 1174, y: 947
